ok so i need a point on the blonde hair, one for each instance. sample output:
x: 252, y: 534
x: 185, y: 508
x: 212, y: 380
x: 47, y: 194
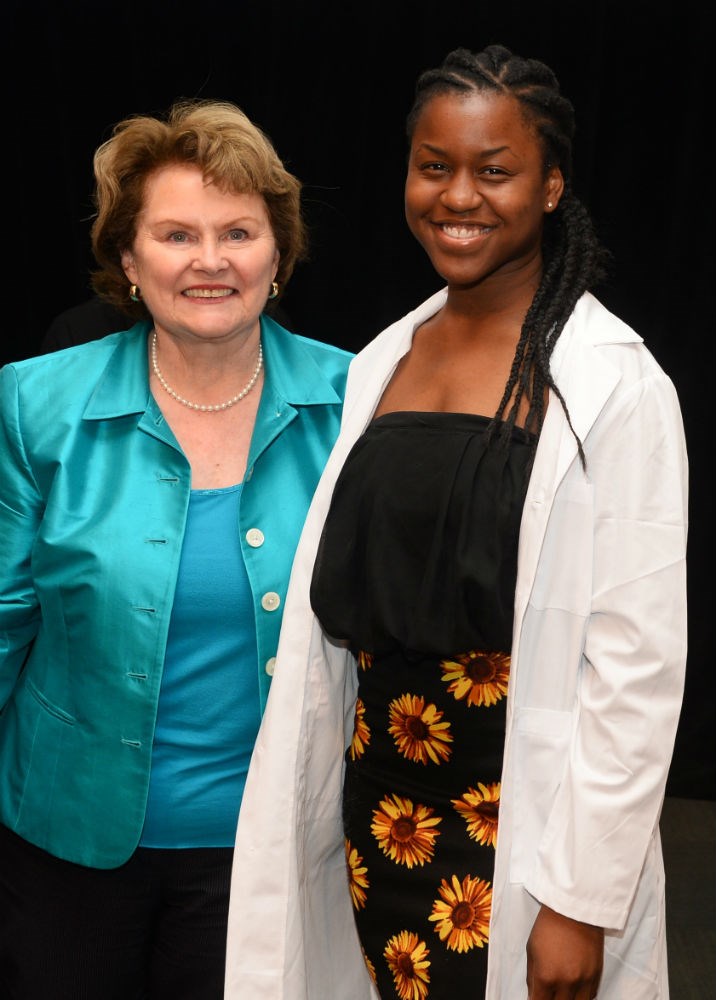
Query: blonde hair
x: 231, y: 152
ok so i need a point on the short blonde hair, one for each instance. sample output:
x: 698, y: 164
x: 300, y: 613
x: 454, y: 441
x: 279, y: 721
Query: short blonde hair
x: 231, y: 152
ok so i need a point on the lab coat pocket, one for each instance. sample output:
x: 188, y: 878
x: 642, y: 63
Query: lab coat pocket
x: 538, y: 747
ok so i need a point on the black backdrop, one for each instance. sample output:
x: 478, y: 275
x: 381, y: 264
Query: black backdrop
x: 331, y: 83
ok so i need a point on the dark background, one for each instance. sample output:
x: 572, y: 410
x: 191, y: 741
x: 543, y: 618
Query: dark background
x: 331, y: 83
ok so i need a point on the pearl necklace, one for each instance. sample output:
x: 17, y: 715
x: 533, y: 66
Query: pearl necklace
x: 198, y: 406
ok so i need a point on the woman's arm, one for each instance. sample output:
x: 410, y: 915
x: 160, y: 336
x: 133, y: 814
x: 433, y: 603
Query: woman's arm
x: 20, y: 514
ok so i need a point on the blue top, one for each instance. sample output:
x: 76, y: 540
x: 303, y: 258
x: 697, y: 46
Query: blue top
x: 209, y: 709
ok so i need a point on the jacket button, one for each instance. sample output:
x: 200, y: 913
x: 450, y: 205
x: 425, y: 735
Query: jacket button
x: 270, y: 666
x: 255, y: 537
x: 270, y: 601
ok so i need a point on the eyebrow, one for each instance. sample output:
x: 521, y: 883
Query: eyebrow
x: 438, y: 151
x: 230, y: 224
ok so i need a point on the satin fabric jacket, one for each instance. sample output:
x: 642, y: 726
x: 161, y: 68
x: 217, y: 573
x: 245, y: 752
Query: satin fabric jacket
x: 93, y: 504
x: 596, y: 684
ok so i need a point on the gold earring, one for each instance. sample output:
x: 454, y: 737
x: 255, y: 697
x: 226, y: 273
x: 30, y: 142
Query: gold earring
x: 135, y: 293
x: 274, y: 290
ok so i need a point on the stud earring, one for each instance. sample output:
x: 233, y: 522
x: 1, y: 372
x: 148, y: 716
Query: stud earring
x: 274, y: 290
x: 549, y: 204
x: 134, y: 293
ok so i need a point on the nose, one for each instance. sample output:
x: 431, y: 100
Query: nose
x: 209, y: 257
x: 461, y: 193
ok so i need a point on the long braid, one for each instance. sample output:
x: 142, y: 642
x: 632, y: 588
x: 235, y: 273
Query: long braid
x: 574, y: 261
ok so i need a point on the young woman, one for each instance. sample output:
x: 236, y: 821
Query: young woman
x: 486, y: 615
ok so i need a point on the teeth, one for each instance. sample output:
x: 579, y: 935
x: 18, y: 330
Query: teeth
x: 463, y: 232
x: 208, y: 293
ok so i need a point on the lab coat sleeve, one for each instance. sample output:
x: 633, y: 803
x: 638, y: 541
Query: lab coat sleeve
x: 630, y: 686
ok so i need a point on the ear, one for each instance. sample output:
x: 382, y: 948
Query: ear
x: 276, y: 261
x: 553, y: 189
x: 129, y: 267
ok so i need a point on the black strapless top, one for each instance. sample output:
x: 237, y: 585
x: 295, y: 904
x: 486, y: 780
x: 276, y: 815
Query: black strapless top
x: 419, y: 550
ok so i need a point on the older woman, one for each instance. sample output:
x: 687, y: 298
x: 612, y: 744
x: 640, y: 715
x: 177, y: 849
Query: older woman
x: 154, y: 486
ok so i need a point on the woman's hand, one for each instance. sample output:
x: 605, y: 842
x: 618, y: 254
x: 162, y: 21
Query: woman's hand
x: 564, y: 958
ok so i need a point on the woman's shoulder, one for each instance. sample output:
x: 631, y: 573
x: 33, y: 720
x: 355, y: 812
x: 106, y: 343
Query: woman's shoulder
x: 298, y: 346
x: 70, y: 372
x: 618, y: 342
x: 322, y: 350
x: 600, y: 323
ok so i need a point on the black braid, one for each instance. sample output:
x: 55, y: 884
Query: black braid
x: 574, y: 261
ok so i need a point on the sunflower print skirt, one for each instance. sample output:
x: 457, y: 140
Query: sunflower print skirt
x: 420, y: 806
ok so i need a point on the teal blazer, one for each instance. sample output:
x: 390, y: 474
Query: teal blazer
x: 94, y: 491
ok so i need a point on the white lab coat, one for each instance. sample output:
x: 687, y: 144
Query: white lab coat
x: 598, y: 657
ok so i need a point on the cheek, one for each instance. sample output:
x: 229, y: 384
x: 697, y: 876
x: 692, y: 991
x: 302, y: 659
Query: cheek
x: 412, y: 219
x: 415, y: 204
x: 527, y: 212
x: 263, y: 266
x: 416, y: 197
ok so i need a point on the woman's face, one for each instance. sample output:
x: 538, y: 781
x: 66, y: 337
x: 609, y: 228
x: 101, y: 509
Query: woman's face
x: 203, y: 259
x: 475, y: 192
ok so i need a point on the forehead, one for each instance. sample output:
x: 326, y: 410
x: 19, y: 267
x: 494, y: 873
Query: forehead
x: 474, y: 121
x: 181, y: 187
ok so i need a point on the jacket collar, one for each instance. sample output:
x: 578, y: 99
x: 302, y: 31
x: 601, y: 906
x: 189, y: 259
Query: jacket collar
x: 291, y: 374
x: 123, y: 386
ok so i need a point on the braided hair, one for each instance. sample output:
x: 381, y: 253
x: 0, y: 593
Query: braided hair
x: 573, y: 258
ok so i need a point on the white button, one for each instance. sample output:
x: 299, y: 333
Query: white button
x: 255, y: 537
x: 270, y: 601
x: 270, y: 666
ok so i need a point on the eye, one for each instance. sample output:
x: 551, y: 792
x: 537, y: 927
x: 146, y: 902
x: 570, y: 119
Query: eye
x: 237, y: 235
x: 433, y: 166
x: 499, y: 173
x: 178, y: 237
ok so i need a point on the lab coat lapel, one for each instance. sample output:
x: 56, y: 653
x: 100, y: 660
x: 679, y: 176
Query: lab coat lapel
x: 586, y: 379
x: 372, y: 369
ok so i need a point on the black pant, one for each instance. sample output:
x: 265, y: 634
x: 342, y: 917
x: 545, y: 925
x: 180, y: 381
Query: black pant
x: 153, y: 929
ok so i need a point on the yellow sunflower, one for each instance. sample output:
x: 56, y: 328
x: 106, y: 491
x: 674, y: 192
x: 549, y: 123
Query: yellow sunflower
x: 404, y: 831
x: 369, y: 966
x: 361, y: 732
x: 357, y: 881
x: 417, y: 730
x: 407, y: 958
x: 478, y: 676
x: 479, y: 808
x: 462, y: 916
x: 365, y: 660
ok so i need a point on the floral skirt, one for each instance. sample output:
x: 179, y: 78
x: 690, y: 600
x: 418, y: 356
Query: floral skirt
x: 420, y: 807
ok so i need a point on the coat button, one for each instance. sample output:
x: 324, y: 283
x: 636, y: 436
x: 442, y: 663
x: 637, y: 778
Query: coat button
x: 270, y: 666
x: 255, y: 537
x: 270, y: 601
